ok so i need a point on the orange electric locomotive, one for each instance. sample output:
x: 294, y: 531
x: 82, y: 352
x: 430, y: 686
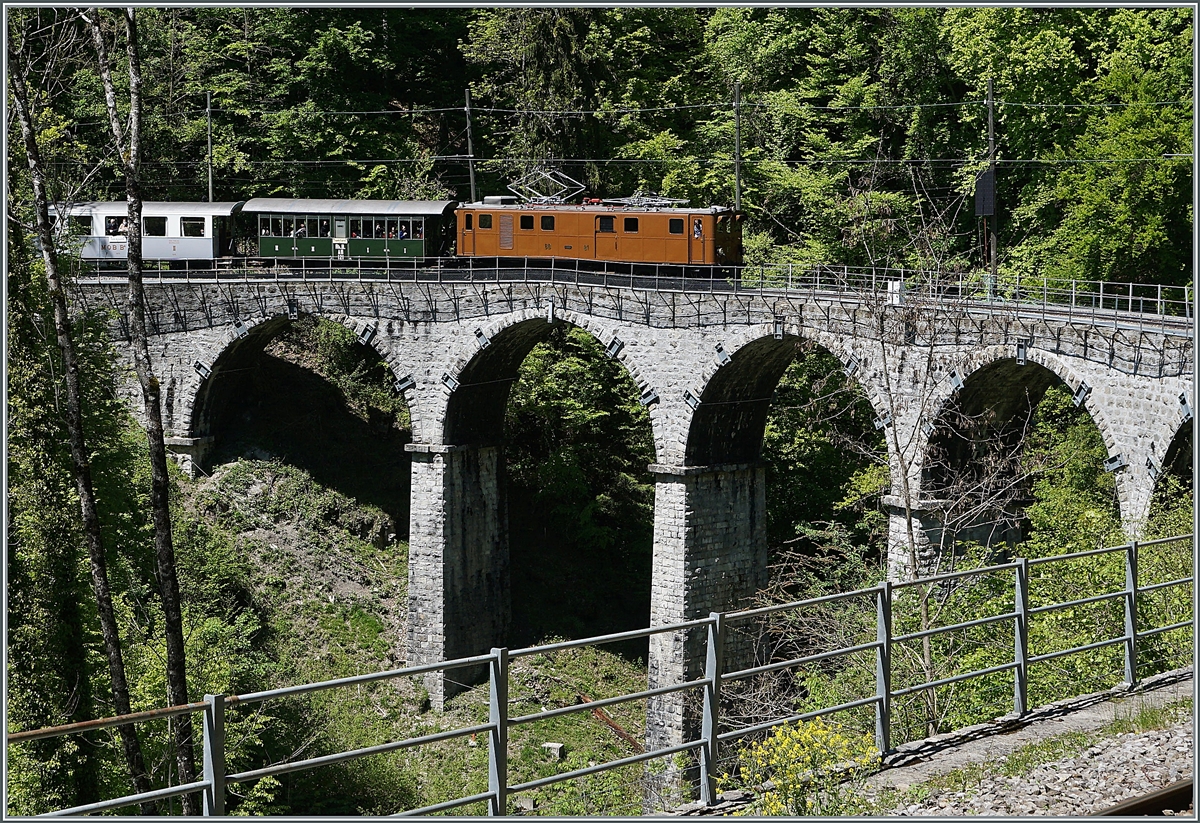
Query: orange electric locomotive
x: 633, y: 230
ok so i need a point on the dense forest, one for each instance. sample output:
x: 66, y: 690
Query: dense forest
x: 862, y: 132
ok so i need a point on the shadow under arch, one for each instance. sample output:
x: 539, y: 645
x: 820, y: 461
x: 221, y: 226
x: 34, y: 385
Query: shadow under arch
x: 972, y: 465
x: 559, y: 582
x: 728, y: 424
x: 261, y: 403
x: 1176, y: 471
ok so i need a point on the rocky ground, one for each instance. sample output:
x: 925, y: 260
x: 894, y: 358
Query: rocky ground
x: 1112, y: 770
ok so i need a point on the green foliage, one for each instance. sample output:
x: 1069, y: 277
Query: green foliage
x: 813, y: 768
x: 580, y: 497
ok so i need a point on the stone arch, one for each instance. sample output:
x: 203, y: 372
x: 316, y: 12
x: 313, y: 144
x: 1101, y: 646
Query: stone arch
x: 484, y: 363
x: 1175, y: 456
x: 738, y: 383
x: 241, y: 343
x: 970, y: 369
x: 995, y: 391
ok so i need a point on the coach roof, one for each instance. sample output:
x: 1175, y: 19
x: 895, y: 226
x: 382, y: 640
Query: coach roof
x: 409, y: 208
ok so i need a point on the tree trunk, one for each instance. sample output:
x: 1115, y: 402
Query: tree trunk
x: 164, y: 552
x: 75, y: 433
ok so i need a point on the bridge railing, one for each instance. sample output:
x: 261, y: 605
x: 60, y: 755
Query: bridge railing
x: 1066, y: 299
x: 715, y: 630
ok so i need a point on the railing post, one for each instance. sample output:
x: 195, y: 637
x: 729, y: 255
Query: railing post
x: 498, y: 737
x: 1021, y: 639
x: 883, y: 667
x: 1131, y: 590
x: 710, y: 725
x: 214, y: 756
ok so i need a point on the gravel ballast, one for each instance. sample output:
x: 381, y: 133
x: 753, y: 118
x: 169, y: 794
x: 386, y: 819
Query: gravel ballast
x: 1114, y: 769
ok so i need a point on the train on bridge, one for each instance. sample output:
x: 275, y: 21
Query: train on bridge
x: 289, y: 231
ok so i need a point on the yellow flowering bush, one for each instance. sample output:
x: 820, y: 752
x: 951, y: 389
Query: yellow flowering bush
x: 809, y: 768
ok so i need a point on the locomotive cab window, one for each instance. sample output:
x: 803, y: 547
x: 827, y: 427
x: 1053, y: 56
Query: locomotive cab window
x: 467, y: 221
x: 631, y: 225
x: 154, y: 226
x: 676, y: 225
x: 608, y: 224
x: 485, y: 221
x: 527, y: 222
x: 547, y: 222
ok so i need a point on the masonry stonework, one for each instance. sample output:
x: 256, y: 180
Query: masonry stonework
x: 705, y: 362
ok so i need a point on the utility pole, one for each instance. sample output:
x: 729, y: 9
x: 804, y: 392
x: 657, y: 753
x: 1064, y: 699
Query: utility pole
x: 470, y: 149
x: 208, y: 111
x: 992, y: 171
x: 737, y: 146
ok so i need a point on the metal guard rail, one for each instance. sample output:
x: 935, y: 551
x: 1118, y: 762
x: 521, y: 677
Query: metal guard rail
x: 216, y: 778
x: 1077, y: 300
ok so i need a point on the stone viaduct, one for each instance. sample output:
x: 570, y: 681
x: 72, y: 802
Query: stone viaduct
x: 706, y: 362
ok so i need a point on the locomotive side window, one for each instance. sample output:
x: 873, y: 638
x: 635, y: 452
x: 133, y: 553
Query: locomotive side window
x: 607, y: 224
x: 527, y: 222
x: 675, y: 225
x: 631, y: 225
x: 467, y: 221
x: 154, y: 226
x: 547, y: 222
x: 485, y: 221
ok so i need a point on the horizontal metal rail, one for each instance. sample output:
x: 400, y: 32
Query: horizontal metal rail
x: 799, y: 661
x: 105, y: 722
x: 354, y: 754
x: 449, y: 804
x: 608, y: 701
x: 1162, y: 629
x: 1054, y: 607
x: 131, y: 800
x: 359, y: 679
x: 799, y: 604
x: 1100, y: 644
x: 770, y: 724
x: 1158, y: 541
x: 942, y: 578
x: 1037, y: 561
x: 609, y: 638
x: 1153, y: 587
x: 983, y: 621
x: 946, y: 681
x: 601, y: 767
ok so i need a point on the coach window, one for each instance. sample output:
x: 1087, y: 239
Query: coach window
x: 547, y: 222
x: 485, y: 221
x: 527, y: 222
x: 607, y: 224
x: 80, y: 226
x: 418, y: 229
x: 154, y: 226
x: 393, y: 228
x: 676, y: 225
x: 403, y: 230
x: 314, y: 228
x: 631, y: 225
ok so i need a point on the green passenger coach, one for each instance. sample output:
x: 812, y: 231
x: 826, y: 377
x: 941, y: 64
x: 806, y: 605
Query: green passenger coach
x: 348, y: 229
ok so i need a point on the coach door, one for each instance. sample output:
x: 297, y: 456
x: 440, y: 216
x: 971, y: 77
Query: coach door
x: 697, y: 240
x: 606, y: 238
x: 467, y: 244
